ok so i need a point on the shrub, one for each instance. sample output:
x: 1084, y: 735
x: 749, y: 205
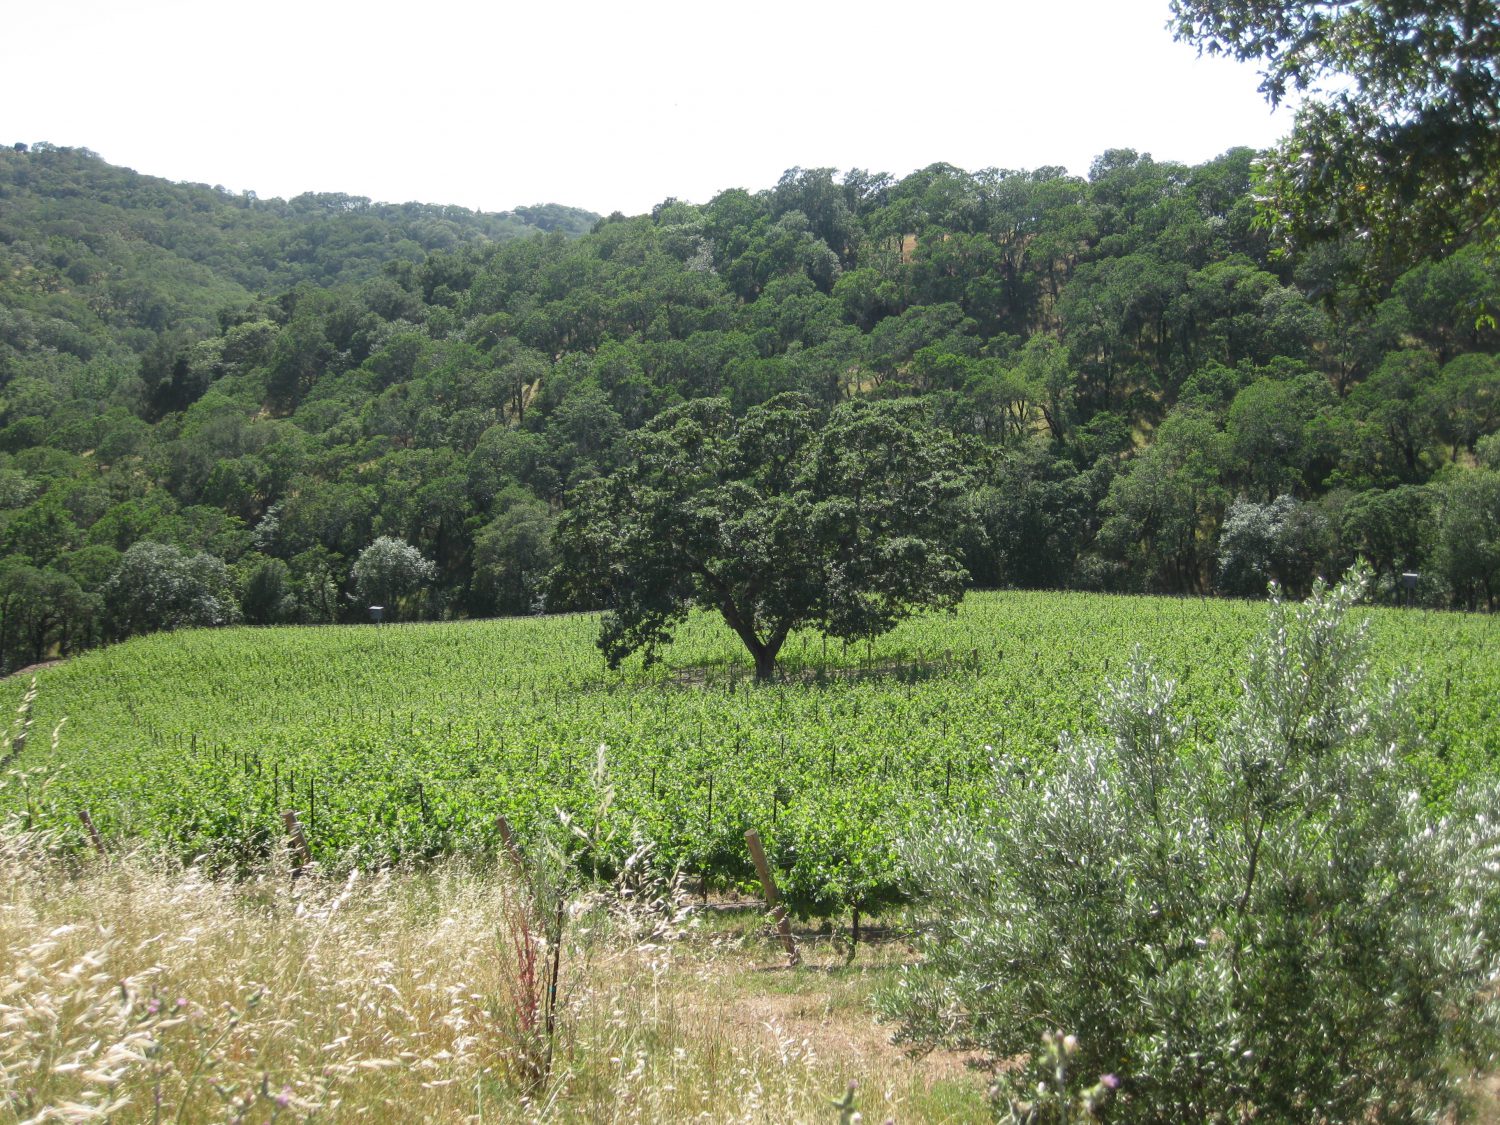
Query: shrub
x: 840, y: 854
x: 389, y: 570
x: 1282, y: 541
x: 1263, y: 923
x: 267, y: 597
x: 156, y: 586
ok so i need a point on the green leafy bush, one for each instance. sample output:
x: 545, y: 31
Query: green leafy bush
x: 840, y: 854
x: 1263, y: 924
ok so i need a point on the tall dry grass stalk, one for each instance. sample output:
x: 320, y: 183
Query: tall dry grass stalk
x: 136, y: 991
x: 13, y: 741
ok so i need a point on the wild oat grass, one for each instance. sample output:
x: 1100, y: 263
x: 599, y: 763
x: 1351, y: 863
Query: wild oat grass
x: 131, y: 990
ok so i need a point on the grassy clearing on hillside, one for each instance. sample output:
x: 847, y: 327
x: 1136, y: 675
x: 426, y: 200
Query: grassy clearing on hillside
x: 135, y: 991
x: 406, y: 741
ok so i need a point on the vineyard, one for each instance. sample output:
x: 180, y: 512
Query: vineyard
x: 405, y: 742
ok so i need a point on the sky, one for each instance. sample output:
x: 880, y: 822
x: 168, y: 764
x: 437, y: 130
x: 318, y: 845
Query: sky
x: 606, y: 105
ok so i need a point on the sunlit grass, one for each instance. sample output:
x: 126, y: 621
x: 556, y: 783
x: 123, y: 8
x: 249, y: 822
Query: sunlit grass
x: 136, y: 991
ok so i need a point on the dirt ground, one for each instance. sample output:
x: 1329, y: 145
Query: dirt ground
x: 829, y: 998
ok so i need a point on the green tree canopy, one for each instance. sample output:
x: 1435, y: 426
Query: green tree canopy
x: 1398, y: 140
x: 156, y: 586
x: 389, y: 570
x: 772, y: 519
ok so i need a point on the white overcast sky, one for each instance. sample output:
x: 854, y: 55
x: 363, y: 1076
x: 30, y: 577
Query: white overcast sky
x: 609, y: 106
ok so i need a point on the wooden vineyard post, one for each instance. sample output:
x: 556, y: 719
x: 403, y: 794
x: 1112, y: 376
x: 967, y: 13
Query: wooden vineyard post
x: 299, y: 841
x: 94, y: 837
x: 773, y: 903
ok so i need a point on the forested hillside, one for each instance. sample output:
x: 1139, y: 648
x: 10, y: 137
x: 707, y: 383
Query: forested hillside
x: 213, y: 405
x: 102, y: 264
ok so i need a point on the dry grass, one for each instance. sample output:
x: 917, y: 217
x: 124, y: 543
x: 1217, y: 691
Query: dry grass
x: 134, y: 991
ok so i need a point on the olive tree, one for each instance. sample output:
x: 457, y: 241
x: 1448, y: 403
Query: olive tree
x: 1264, y: 921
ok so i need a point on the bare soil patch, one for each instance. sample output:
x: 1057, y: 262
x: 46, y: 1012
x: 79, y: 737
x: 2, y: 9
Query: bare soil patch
x: 31, y: 669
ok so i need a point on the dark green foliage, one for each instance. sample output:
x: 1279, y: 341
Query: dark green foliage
x: 41, y: 610
x: 1398, y: 140
x: 267, y: 597
x: 267, y: 380
x: 1468, y: 537
x: 513, y: 555
x: 1391, y: 530
x: 778, y: 520
x: 1160, y: 518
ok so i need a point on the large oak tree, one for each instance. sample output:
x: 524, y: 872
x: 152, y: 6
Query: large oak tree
x: 778, y: 520
x: 1397, y: 138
